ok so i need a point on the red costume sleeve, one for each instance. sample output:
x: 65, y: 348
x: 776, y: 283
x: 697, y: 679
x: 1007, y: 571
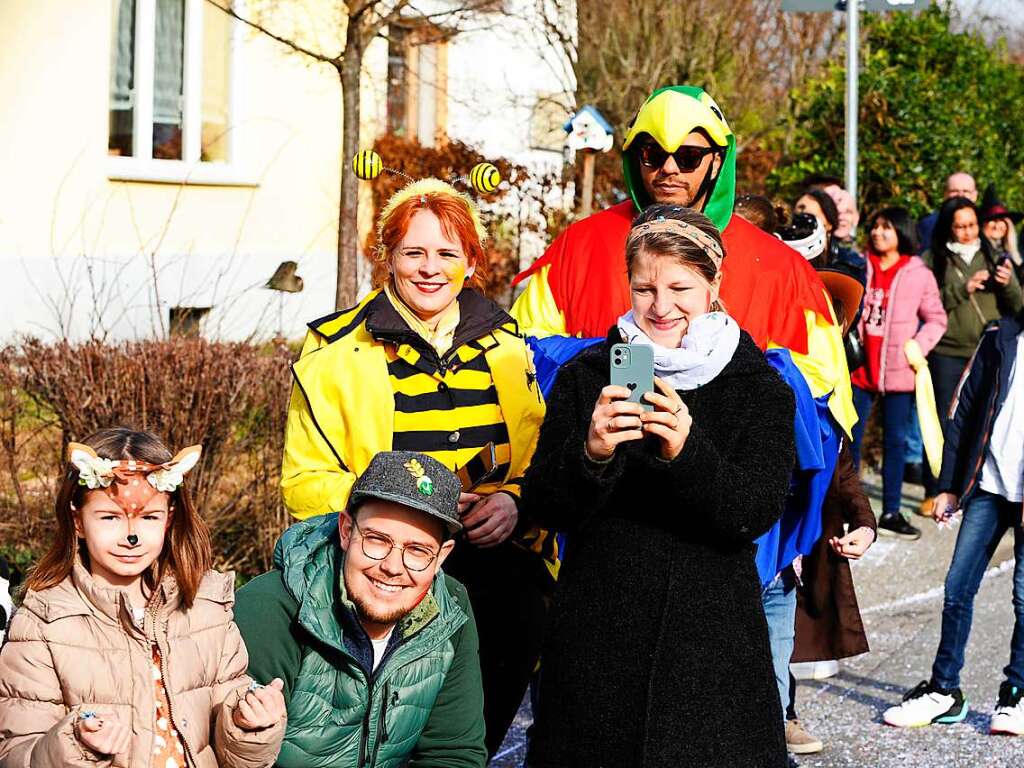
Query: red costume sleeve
x: 767, y: 287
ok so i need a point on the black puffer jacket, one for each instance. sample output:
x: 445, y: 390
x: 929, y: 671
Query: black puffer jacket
x: 657, y: 654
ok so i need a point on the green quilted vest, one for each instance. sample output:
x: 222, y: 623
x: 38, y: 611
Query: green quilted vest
x: 337, y: 716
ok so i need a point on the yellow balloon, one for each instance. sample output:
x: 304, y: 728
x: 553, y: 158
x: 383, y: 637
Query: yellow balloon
x: 484, y: 177
x: 367, y: 165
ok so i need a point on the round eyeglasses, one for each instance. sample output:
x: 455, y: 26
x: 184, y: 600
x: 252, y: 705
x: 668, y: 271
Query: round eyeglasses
x: 376, y: 546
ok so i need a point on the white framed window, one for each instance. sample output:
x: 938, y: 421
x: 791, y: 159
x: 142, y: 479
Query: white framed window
x: 173, y: 93
x: 417, y: 100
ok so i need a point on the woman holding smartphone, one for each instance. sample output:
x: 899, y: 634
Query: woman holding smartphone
x: 657, y: 624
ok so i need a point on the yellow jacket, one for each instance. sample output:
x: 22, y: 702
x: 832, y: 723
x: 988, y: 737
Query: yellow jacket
x: 342, y: 408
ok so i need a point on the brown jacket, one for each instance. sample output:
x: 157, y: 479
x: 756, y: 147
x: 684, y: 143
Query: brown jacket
x: 828, y: 623
x: 74, y: 647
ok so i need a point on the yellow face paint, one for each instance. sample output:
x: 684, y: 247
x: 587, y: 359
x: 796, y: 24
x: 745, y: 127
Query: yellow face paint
x: 456, y: 272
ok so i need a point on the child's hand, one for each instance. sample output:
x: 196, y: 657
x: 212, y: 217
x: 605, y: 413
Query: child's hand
x: 103, y: 735
x: 260, y: 708
x: 854, y: 544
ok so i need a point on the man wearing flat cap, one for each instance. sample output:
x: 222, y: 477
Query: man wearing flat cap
x: 377, y: 648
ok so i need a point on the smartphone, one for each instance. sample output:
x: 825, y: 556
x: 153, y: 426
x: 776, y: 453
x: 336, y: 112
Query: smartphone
x: 990, y: 284
x: 480, y: 469
x: 632, y: 367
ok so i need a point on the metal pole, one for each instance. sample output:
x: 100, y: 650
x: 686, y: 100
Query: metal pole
x: 852, y: 98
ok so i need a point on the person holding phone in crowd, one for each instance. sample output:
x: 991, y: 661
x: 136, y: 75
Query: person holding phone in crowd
x: 976, y: 290
x: 658, y: 591
x: 427, y: 363
x: 999, y: 225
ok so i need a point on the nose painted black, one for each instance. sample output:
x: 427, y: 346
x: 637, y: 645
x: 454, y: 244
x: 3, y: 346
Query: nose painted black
x: 133, y: 539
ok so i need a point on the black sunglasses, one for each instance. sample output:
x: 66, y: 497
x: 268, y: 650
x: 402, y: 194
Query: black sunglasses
x: 653, y: 155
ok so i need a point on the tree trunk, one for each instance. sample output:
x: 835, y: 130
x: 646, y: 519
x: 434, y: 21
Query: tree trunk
x: 348, y: 208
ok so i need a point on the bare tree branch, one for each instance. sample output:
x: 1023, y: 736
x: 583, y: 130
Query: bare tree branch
x: 297, y: 47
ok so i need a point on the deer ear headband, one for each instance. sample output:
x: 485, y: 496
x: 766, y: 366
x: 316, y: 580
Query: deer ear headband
x: 130, y: 483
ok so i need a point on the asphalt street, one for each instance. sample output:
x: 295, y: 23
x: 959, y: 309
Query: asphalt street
x: 899, y: 586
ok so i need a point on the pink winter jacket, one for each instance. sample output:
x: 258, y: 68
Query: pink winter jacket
x: 74, y: 647
x: 914, y: 311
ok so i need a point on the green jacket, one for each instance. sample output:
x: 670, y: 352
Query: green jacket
x: 424, y: 703
x: 969, y: 313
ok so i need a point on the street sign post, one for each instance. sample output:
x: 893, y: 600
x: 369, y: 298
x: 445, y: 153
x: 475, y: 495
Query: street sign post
x: 852, y: 67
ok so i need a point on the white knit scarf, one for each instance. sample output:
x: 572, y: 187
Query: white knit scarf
x: 708, y: 346
x: 965, y: 251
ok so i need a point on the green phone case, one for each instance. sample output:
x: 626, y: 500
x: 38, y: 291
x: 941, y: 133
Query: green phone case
x: 632, y: 367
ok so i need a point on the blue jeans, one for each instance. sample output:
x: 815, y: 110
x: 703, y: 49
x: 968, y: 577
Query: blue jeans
x: 779, y: 602
x: 985, y: 520
x: 895, y: 415
x: 915, y: 446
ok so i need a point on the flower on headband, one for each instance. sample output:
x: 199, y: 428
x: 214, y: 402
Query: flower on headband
x: 170, y: 478
x: 166, y: 480
x: 94, y: 472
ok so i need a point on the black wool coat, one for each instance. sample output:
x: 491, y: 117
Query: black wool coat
x: 657, y: 651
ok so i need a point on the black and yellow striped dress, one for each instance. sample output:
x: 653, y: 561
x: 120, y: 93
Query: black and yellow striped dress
x: 448, y: 410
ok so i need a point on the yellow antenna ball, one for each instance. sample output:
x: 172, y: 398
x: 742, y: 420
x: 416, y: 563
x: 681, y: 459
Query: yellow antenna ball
x: 367, y: 165
x: 484, y: 177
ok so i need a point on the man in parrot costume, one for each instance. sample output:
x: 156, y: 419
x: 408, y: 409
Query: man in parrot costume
x: 680, y: 150
x: 579, y: 288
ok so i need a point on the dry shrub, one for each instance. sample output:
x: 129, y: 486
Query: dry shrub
x: 230, y: 397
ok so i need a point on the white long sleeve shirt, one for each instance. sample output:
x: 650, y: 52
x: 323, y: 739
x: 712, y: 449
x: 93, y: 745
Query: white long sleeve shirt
x: 1003, y: 472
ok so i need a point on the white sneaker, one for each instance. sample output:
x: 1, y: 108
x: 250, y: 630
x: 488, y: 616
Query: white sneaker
x: 1009, y: 715
x: 814, y: 670
x: 927, y: 704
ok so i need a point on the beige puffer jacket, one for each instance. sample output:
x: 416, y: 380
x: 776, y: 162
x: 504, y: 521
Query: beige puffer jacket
x: 74, y: 647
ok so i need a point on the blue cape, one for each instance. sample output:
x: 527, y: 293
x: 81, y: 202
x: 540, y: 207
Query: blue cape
x: 817, y: 453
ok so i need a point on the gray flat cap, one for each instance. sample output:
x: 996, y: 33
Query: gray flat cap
x: 413, y: 480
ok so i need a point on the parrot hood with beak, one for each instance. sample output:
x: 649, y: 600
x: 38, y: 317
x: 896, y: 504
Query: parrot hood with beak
x: 670, y: 115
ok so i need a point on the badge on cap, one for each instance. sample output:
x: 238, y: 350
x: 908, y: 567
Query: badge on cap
x: 423, y: 483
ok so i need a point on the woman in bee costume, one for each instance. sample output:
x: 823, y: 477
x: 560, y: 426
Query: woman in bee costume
x: 427, y: 363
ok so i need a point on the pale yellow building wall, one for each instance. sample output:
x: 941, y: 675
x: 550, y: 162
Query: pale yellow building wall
x: 57, y: 202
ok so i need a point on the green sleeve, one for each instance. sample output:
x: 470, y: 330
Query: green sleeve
x: 954, y: 293
x: 454, y: 734
x: 265, y: 613
x: 1010, y: 295
x: 953, y: 290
